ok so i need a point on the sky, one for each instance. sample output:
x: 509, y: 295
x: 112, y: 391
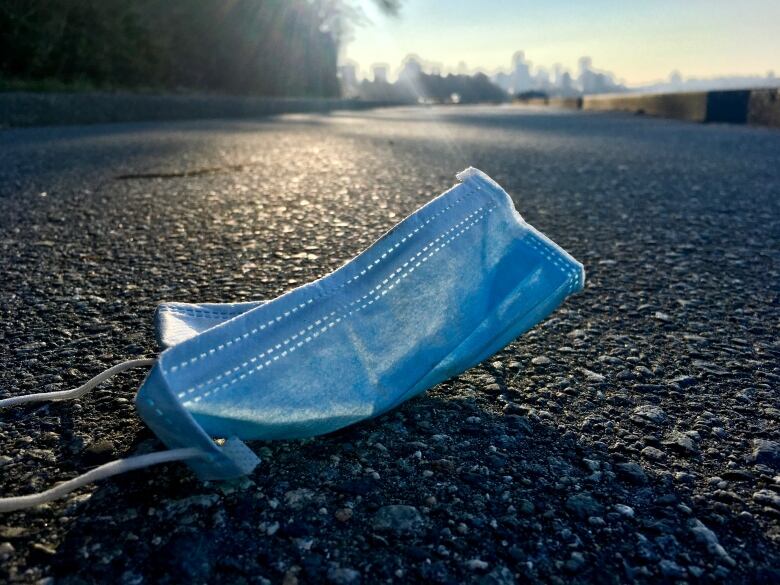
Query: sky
x: 639, y: 41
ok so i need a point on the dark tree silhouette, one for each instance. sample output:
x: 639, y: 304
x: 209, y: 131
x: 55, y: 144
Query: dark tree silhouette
x: 261, y: 47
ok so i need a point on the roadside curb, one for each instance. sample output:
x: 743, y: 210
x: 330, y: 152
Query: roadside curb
x: 48, y: 109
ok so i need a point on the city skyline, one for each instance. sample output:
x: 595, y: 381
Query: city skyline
x: 521, y: 78
x: 640, y: 46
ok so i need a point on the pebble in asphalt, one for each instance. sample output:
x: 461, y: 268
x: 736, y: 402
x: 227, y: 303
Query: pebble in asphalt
x: 633, y: 436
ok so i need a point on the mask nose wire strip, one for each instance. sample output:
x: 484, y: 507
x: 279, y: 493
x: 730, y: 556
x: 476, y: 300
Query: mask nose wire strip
x: 107, y: 470
x: 81, y: 390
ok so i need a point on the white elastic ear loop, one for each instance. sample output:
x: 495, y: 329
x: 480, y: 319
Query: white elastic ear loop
x: 113, y: 468
x: 104, y: 471
x: 81, y: 390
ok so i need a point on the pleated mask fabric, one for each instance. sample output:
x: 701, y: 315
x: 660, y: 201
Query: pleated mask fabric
x: 446, y: 288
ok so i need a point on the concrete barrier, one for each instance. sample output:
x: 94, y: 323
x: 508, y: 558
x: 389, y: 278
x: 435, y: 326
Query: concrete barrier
x: 764, y: 108
x: 680, y: 106
x: 536, y: 101
x: 759, y: 107
x: 574, y: 103
x: 730, y: 107
x: 43, y: 109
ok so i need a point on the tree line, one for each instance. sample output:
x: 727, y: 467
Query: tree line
x: 256, y: 47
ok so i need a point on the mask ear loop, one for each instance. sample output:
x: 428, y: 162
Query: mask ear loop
x: 14, y: 503
x: 112, y: 468
x: 81, y: 390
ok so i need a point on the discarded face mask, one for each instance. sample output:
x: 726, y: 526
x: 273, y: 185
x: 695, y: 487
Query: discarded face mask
x: 446, y: 288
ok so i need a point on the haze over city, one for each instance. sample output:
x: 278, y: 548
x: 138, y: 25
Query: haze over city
x: 650, y: 43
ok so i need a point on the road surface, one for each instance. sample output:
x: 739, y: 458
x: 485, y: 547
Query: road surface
x: 631, y: 437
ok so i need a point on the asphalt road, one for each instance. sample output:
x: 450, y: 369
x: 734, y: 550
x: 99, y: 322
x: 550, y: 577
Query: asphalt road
x: 633, y: 436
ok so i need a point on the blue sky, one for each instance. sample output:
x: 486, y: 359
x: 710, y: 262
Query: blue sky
x: 638, y: 41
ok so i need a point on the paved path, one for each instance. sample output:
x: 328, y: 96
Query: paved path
x: 629, y: 437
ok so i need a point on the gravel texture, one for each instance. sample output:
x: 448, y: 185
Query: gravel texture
x: 631, y: 437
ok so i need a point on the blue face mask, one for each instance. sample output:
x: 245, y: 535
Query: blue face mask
x: 443, y: 290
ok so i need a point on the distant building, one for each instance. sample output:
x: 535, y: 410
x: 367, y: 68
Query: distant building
x: 586, y: 78
x: 521, y: 74
x: 379, y: 72
x: 503, y: 80
x: 566, y: 85
x: 542, y: 79
x: 411, y: 70
x: 557, y: 76
x: 348, y: 79
x: 592, y: 81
